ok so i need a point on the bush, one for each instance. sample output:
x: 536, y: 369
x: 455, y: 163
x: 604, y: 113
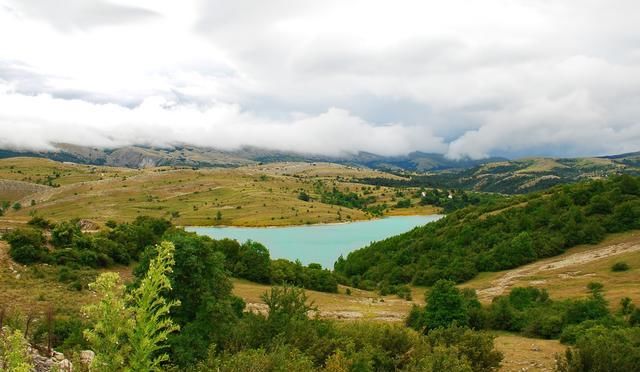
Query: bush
x: 475, y: 347
x: 27, y: 246
x: 40, y: 222
x: 602, y: 349
x: 304, y: 196
x: 620, y: 266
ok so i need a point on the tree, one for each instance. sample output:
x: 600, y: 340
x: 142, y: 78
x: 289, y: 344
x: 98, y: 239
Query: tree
x: 445, y: 305
x: 208, y: 310
x: 287, y: 302
x: 254, y: 262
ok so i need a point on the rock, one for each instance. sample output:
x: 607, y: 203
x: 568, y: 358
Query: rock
x: 65, y: 365
x: 58, y: 356
x: 535, y: 347
x: 86, y: 357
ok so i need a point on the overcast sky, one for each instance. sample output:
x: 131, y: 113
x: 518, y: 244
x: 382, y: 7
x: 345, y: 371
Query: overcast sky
x: 463, y: 78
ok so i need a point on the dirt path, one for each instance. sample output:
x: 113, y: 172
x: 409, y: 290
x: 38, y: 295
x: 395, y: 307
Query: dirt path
x: 504, y: 282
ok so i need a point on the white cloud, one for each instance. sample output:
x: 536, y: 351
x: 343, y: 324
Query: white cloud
x: 506, y: 77
x: 37, y: 122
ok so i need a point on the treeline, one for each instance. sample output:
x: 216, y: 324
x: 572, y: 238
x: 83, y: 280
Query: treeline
x: 71, y: 249
x: 599, y: 339
x: 473, y: 240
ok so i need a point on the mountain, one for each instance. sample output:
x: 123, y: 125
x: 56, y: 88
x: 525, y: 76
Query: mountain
x: 141, y: 157
x: 136, y: 156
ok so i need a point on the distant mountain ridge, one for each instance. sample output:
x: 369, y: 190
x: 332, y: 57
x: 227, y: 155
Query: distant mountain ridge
x: 142, y: 156
x: 522, y: 175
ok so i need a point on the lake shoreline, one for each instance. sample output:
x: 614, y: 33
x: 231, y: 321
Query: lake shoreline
x: 310, y: 224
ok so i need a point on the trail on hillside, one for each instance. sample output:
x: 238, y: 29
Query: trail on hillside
x: 506, y: 281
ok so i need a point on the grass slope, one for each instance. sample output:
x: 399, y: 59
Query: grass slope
x: 265, y: 195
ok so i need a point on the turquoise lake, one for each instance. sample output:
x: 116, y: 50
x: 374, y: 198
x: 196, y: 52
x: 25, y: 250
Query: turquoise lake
x: 322, y: 244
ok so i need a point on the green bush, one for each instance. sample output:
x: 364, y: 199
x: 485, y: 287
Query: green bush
x: 27, y: 246
x: 475, y: 347
x: 600, y: 349
x: 620, y: 266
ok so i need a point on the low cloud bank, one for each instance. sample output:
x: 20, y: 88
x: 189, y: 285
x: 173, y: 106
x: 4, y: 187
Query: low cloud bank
x: 36, y: 122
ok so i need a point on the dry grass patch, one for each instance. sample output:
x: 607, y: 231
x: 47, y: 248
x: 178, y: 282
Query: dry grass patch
x: 527, y: 354
x: 360, y: 304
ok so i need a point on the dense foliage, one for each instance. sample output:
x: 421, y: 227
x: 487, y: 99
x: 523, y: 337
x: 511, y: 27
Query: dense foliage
x: 287, y: 339
x: 69, y: 246
x: 600, y: 349
x: 476, y: 239
x: 123, y: 243
x: 215, y: 334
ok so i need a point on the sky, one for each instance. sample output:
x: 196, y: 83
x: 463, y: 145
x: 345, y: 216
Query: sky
x: 462, y: 78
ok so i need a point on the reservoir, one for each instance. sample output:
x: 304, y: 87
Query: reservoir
x: 322, y: 244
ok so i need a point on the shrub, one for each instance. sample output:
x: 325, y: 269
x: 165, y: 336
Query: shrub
x: 602, y: 349
x: 304, y: 196
x: 40, y: 222
x: 475, y: 347
x: 27, y: 246
x: 14, y: 354
x: 620, y: 266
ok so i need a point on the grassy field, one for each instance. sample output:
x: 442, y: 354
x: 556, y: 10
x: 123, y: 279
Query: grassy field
x: 265, y: 195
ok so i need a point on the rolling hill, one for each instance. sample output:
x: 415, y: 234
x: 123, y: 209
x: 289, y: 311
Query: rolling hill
x: 522, y: 175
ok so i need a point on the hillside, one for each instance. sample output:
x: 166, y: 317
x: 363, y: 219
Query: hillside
x: 256, y: 195
x: 523, y: 175
x: 475, y: 240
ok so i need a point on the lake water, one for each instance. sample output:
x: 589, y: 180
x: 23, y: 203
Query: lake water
x: 318, y: 243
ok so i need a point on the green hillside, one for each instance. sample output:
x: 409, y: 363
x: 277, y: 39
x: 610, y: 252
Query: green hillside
x: 478, y: 239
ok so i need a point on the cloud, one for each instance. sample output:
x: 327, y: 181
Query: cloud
x: 38, y: 122
x: 82, y: 14
x: 462, y: 78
